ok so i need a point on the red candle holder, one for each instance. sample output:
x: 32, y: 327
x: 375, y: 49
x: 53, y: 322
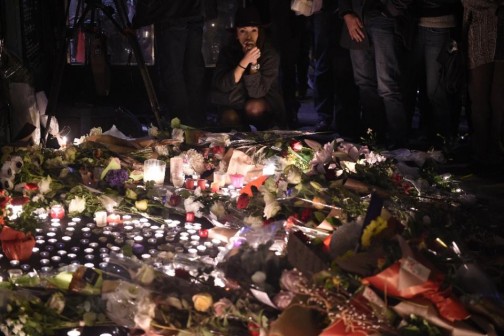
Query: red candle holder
x: 189, y: 217
x: 113, y: 219
x: 57, y: 211
x: 215, y: 187
x: 203, y: 233
x: 202, y: 184
x: 189, y: 183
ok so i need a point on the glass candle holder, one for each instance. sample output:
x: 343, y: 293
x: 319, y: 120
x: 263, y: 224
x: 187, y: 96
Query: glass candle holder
x: 113, y: 219
x: 202, y: 184
x: 100, y: 218
x: 154, y: 170
x: 220, y: 178
x: 237, y: 180
x: 190, y: 217
x: 203, y: 233
x: 215, y: 187
x: 57, y: 211
x: 177, y: 171
x: 189, y: 183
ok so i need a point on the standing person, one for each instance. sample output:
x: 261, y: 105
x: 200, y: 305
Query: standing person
x: 178, y: 28
x: 335, y: 96
x: 246, y: 75
x: 438, y: 23
x: 376, y: 34
x: 484, y: 22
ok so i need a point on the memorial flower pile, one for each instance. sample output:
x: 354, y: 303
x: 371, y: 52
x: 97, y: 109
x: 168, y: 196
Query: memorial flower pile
x: 268, y: 233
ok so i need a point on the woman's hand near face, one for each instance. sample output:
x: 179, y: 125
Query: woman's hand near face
x: 355, y: 27
x: 251, y: 56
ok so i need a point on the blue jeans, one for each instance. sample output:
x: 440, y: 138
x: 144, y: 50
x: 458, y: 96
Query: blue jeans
x: 377, y: 74
x: 181, y: 70
x: 429, y: 43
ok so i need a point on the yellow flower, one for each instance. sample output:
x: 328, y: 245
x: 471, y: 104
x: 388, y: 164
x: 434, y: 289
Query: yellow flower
x: 202, y: 302
x: 142, y: 205
x: 375, y: 227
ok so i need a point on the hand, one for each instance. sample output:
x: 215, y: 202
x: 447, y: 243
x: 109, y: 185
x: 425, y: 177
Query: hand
x: 251, y: 56
x: 355, y: 27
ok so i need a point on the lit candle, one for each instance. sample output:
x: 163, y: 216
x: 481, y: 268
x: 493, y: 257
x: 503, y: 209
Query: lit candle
x: 190, y: 217
x: 57, y: 211
x: 214, y: 187
x: 100, y: 218
x: 237, y: 180
x: 113, y: 219
x: 219, y: 178
x: 202, y: 184
x: 154, y: 170
x: 189, y: 183
x: 203, y: 233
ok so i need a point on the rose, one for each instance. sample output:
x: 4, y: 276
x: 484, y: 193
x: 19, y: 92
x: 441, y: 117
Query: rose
x: 202, y: 302
x: 45, y: 185
x: 218, y: 210
x: 293, y: 174
x: 77, y: 205
x: 220, y: 307
x: 291, y: 280
x: 283, y: 299
x: 142, y: 205
x: 56, y: 302
x: 243, y: 201
x: 258, y: 277
x: 145, y: 275
x: 296, y: 145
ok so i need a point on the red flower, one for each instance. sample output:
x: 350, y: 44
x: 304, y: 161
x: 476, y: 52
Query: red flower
x: 218, y: 150
x: 182, y: 274
x: 254, y: 329
x: 31, y: 187
x: 243, y: 201
x: 296, y: 145
x: 306, y: 214
x: 20, y: 200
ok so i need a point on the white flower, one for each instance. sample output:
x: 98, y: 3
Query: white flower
x: 145, y: 313
x: 258, y: 277
x: 79, y: 141
x: 77, y: 205
x: 293, y: 174
x: 45, y: 185
x: 178, y: 134
x: 161, y: 150
x: 253, y: 221
x: 95, y: 131
x: 192, y: 206
x: 272, y: 207
x: 108, y: 202
x: 218, y: 209
x: 196, y: 161
x: 153, y: 131
x: 324, y: 155
x: 372, y: 158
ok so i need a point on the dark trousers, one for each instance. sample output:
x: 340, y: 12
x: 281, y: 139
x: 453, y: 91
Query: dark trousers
x: 181, y: 70
x: 336, y: 98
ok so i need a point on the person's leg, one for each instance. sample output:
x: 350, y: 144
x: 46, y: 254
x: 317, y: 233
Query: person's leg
x: 324, y: 89
x: 170, y: 53
x: 364, y: 72
x: 497, y: 102
x: 194, y: 70
x: 479, y: 85
x: 387, y: 48
x: 436, y: 40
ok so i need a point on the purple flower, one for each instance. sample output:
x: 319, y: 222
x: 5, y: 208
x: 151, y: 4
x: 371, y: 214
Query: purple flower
x: 116, y: 178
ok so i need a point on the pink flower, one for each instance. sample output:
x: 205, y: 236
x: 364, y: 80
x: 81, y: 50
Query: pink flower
x: 283, y: 299
x: 292, y: 280
x: 220, y: 307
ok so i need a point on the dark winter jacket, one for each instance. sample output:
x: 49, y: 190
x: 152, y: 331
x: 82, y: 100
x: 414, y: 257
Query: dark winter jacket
x: 263, y: 84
